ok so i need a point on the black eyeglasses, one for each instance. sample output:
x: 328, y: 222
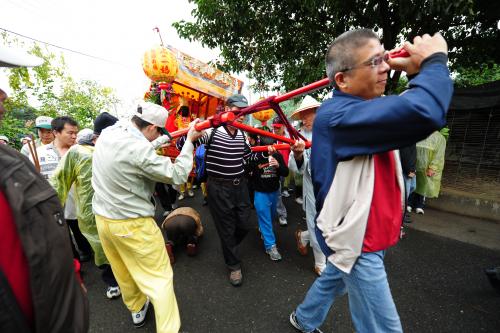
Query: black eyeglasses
x: 373, y: 62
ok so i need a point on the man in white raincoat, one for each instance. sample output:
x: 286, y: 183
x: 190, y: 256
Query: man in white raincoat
x: 125, y: 169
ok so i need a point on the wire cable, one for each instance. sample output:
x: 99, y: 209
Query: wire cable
x: 64, y: 48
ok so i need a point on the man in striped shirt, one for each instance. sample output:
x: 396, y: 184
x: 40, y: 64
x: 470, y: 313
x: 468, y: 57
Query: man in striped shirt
x: 228, y: 198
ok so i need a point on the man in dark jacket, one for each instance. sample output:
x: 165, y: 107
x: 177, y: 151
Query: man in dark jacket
x: 39, y: 290
x: 356, y: 172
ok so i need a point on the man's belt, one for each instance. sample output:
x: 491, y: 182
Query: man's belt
x: 226, y: 181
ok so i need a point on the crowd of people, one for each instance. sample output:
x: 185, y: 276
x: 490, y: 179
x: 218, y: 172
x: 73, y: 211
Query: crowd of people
x: 354, y: 186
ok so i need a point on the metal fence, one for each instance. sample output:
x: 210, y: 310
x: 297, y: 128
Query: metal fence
x: 473, y: 152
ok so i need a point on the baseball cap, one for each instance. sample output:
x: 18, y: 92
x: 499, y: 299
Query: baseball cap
x: 102, y: 121
x: 219, y: 108
x: 237, y: 100
x: 277, y: 122
x: 17, y: 58
x: 4, y: 138
x: 43, y: 122
x: 153, y: 114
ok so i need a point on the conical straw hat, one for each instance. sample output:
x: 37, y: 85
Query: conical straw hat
x: 307, y: 103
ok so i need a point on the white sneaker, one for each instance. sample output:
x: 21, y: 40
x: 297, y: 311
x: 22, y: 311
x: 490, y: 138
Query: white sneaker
x: 282, y: 220
x: 409, y: 209
x: 139, y: 318
x: 285, y: 194
x: 273, y: 253
x: 113, y: 292
x: 190, y: 193
x: 419, y: 211
x: 181, y: 197
x: 299, y: 200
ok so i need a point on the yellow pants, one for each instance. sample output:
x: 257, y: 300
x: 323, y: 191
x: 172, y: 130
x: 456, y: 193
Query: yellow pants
x: 204, y: 189
x: 189, y: 185
x: 136, y: 251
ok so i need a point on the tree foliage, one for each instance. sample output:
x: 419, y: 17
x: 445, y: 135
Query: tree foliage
x: 484, y: 73
x: 49, y: 90
x: 285, y: 41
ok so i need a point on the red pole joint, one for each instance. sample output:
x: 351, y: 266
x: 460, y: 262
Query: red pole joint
x: 214, y: 121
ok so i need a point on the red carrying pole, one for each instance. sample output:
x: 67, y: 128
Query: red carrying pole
x: 325, y: 82
x: 258, y: 131
x: 302, y: 90
x: 210, y: 122
x: 279, y: 146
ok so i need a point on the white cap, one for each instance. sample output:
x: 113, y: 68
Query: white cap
x: 85, y: 135
x: 153, y: 113
x: 4, y: 138
x: 17, y: 58
x: 43, y: 122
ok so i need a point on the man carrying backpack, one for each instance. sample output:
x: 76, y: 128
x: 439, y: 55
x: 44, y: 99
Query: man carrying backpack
x: 228, y: 198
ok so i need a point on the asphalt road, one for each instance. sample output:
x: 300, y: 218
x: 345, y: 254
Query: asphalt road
x: 437, y: 284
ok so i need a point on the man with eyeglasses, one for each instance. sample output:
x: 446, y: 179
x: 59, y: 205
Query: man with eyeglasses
x: 356, y: 173
x: 125, y: 169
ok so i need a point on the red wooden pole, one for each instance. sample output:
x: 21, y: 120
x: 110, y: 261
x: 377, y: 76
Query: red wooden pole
x: 302, y: 90
x: 258, y: 131
x: 279, y: 146
x: 202, y: 125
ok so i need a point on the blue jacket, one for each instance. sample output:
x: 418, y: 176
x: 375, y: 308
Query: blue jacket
x: 347, y: 126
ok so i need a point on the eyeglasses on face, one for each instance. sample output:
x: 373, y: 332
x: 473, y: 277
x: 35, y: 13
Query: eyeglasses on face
x: 372, y: 62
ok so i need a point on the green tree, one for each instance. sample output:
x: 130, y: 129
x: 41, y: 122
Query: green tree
x: 285, y: 41
x: 84, y: 100
x: 49, y: 90
x: 477, y: 75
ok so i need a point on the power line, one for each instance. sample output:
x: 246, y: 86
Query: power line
x: 64, y: 48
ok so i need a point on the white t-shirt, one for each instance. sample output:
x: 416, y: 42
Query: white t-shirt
x: 49, y: 158
x: 25, y: 150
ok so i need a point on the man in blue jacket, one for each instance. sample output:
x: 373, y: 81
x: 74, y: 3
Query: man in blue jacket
x: 356, y: 172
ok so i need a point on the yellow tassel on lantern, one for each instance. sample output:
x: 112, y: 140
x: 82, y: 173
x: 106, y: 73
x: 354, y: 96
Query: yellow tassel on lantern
x: 264, y: 115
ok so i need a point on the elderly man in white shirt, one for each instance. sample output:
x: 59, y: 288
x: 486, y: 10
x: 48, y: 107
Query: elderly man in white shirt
x: 299, y: 162
x: 125, y: 169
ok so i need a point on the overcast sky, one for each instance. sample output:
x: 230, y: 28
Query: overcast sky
x: 120, y: 31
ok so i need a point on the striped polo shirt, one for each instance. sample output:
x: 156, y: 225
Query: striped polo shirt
x: 227, y: 154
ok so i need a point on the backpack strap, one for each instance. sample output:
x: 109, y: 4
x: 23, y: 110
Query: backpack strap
x: 210, y: 140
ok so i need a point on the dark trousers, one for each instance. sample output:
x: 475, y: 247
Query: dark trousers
x: 107, y: 275
x: 81, y: 242
x: 230, y: 208
x: 181, y: 229
x: 166, y: 194
x: 416, y: 201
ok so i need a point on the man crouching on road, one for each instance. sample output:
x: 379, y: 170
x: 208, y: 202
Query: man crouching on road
x: 125, y: 170
x: 356, y: 172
